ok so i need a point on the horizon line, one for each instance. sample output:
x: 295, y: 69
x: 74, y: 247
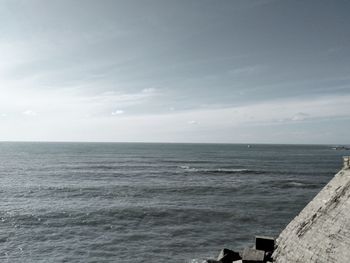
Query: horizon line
x: 164, y: 142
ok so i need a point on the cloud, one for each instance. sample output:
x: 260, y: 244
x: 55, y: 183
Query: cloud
x: 193, y: 122
x: 149, y: 90
x: 29, y: 113
x: 274, y: 112
x: 297, y: 117
x: 117, y: 112
x: 216, y: 125
x: 123, y: 99
x: 300, y: 116
x: 246, y: 70
x: 67, y: 103
x: 334, y: 49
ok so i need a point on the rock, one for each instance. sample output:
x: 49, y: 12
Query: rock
x: 265, y: 243
x: 251, y: 255
x: 268, y: 256
x: 213, y: 261
x: 227, y: 256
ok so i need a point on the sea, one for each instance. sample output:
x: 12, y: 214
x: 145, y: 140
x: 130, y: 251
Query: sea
x: 151, y: 202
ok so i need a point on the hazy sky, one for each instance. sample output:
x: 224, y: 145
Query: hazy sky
x: 175, y: 71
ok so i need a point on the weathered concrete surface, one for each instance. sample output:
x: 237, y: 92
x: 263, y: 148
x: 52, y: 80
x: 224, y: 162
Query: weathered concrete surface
x: 321, y: 232
x: 251, y: 255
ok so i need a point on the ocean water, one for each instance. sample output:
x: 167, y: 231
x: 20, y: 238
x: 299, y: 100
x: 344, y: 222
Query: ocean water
x: 105, y: 202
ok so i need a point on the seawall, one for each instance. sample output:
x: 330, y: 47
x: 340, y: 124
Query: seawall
x: 321, y: 231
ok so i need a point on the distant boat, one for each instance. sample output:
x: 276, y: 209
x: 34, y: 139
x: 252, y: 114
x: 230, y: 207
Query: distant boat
x: 249, y: 146
x: 339, y: 148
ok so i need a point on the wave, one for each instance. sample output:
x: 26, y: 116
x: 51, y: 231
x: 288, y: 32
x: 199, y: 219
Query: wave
x: 294, y: 184
x: 189, y: 169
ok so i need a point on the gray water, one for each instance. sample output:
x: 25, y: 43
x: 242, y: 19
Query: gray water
x: 105, y: 202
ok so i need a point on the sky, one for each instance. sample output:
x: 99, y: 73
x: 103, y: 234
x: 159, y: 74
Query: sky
x: 243, y: 71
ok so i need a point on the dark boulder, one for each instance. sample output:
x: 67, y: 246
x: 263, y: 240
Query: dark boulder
x: 227, y: 256
x: 265, y: 243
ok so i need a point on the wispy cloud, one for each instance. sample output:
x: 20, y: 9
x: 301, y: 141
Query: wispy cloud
x: 117, y: 112
x: 248, y: 70
x: 149, y: 90
x: 275, y: 112
x: 334, y: 49
x: 69, y: 103
x: 193, y: 122
x: 118, y: 97
x: 300, y: 116
x: 30, y: 113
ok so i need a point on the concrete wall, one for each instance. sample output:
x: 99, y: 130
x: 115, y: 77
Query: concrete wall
x: 346, y: 162
x: 321, y: 232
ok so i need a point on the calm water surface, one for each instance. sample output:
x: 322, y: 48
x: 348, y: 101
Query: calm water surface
x: 101, y: 202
